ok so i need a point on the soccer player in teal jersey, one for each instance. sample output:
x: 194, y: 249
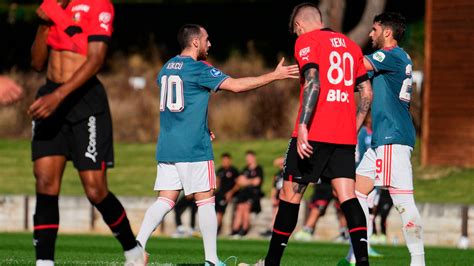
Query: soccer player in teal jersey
x: 184, y: 152
x: 387, y: 162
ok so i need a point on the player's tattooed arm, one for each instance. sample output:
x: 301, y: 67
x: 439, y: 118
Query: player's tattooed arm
x: 299, y: 188
x: 310, y: 100
x: 310, y: 94
x: 366, y: 94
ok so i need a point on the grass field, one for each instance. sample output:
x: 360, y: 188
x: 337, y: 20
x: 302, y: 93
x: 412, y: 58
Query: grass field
x: 135, y: 170
x: 16, y: 249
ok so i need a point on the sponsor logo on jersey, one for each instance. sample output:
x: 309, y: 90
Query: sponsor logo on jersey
x: 215, y: 72
x: 91, y: 152
x: 175, y: 65
x: 337, y: 96
x: 82, y: 7
x: 378, y: 56
x: 76, y: 17
x: 104, y: 18
x: 304, y: 53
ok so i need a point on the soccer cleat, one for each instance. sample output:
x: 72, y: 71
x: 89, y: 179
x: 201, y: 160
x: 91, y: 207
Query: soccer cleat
x: 44, y: 263
x: 181, y: 232
x: 137, y: 256
x: 344, y: 262
x: 267, y: 233
x: 260, y: 262
x: 463, y: 242
x: 221, y: 263
x: 378, y: 239
x: 302, y: 235
x: 374, y: 254
x: 341, y: 239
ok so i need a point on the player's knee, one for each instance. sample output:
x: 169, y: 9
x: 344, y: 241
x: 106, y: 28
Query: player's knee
x: 95, y: 194
x: 289, y: 195
x: 48, y: 184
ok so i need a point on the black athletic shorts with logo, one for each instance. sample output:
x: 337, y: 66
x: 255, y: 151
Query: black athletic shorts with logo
x: 80, y: 129
x: 328, y: 161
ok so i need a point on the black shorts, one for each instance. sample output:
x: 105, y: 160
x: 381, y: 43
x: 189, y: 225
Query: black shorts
x: 251, y: 195
x: 221, y: 204
x: 321, y: 198
x: 327, y: 162
x: 80, y: 129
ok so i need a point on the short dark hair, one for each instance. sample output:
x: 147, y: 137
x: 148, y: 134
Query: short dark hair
x: 226, y: 154
x: 395, y: 21
x: 186, y: 33
x: 297, y: 9
x: 251, y: 152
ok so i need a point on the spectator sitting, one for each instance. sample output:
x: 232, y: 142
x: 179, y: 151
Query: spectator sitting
x: 248, y: 197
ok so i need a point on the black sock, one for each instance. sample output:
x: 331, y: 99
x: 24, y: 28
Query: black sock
x: 285, y: 223
x: 46, y: 224
x: 115, y: 217
x: 357, y: 229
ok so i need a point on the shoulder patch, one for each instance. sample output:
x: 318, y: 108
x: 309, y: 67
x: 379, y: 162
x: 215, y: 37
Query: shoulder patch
x: 378, y: 56
x: 215, y: 72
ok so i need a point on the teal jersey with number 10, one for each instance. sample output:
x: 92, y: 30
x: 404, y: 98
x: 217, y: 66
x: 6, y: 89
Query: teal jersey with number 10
x: 185, y: 86
x: 392, y: 81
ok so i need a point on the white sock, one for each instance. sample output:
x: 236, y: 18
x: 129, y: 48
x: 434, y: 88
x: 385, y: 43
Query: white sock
x: 404, y: 203
x: 44, y: 263
x: 365, y: 207
x: 208, y: 226
x: 153, y: 217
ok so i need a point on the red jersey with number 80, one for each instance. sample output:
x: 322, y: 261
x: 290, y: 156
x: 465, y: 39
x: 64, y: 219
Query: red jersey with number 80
x: 341, y: 67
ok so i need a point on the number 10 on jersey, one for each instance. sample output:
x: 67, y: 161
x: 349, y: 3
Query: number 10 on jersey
x: 171, y: 96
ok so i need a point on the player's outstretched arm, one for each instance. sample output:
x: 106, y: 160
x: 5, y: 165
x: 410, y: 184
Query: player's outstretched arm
x: 250, y: 83
x: 10, y: 92
x: 366, y: 95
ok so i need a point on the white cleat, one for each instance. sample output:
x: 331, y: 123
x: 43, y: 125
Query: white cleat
x: 260, y: 262
x: 44, y: 263
x: 463, y: 242
x: 137, y: 256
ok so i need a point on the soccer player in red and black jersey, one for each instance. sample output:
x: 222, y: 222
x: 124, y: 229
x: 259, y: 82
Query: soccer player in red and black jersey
x: 323, y: 142
x: 71, y: 119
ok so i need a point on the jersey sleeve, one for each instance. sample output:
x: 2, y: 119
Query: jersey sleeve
x: 306, y: 54
x: 382, y: 60
x: 100, y: 24
x: 211, y: 78
x: 361, y: 72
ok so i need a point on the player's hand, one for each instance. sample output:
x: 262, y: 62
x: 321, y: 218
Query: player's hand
x: 10, y: 92
x: 255, y: 181
x: 275, y: 201
x: 302, y: 144
x: 284, y: 72
x: 44, y: 106
x: 42, y: 15
x: 228, y: 196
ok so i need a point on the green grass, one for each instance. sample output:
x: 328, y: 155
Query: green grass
x: 135, y: 170
x: 16, y: 249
